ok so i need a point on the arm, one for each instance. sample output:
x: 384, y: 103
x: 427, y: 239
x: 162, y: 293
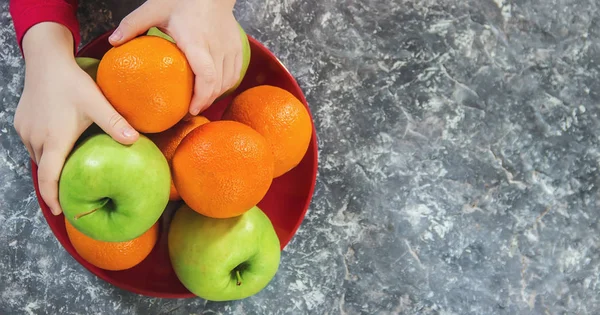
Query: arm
x: 27, y: 13
x: 59, y: 100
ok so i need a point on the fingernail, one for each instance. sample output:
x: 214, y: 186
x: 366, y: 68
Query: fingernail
x: 128, y: 132
x: 54, y: 212
x: 195, y: 111
x: 116, y: 36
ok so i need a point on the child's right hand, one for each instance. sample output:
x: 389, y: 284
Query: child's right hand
x: 59, y: 101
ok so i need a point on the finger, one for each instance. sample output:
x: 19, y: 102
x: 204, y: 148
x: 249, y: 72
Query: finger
x: 204, y: 68
x: 50, y: 167
x: 229, y: 77
x: 137, y: 22
x: 107, y: 118
x: 216, y: 91
x: 237, y: 68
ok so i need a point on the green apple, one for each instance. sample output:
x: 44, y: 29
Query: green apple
x: 223, y: 259
x: 154, y: 31
x: 113, y: 192
x: 89, y: 65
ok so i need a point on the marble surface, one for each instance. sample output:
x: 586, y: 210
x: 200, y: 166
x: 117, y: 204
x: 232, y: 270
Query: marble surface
x: 458, y: 174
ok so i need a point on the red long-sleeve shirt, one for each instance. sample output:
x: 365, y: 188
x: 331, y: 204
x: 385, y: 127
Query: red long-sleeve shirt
x: 27, y: 13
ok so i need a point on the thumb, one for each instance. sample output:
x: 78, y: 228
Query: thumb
x: 137, y: 22
x: 107, y: 118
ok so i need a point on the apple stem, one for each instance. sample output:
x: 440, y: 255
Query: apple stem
x: 85, y: 213
x: 239, y: 277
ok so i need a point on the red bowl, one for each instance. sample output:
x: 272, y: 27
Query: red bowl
x: 285, y: 203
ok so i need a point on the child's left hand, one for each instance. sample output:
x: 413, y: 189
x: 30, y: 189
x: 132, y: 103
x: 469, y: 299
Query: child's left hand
x: 207, y: 33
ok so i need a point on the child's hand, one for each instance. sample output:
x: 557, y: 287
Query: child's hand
x: 58, y: 103
x: 205, y: 30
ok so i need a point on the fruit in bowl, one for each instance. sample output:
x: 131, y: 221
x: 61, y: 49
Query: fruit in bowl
x: 168, y: 140
x: 223, y: 259
x: 113, y: 255
x: 113, y: 192
x: 280, y: 117
x: 148, y: 81
x: 222, y: 168
x: 274, y: 205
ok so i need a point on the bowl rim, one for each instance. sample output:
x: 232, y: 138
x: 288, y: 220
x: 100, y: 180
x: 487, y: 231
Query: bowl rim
x: 64, y: 241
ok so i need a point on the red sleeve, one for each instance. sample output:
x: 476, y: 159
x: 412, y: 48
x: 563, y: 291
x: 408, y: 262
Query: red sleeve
x: 27, y: 13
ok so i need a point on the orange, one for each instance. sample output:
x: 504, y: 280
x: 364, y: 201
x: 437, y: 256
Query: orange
x: 168, y: 140
x: 148, y: 80
x: 222, y: 169
x: 113, y: 255
x: 280, y: 117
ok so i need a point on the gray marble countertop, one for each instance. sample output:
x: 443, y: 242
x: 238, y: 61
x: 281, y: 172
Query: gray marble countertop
x: 459, y: 156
